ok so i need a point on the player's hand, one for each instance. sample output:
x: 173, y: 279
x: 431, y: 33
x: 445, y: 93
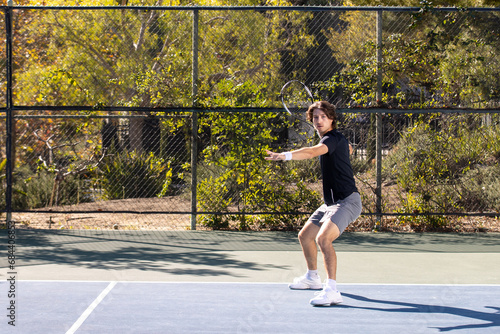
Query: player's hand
x: 274, y: 156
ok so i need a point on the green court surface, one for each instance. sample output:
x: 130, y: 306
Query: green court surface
x: 252, y: 257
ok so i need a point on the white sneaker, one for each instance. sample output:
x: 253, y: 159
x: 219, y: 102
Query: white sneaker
x: 305, y: 283
x: 326, y: 297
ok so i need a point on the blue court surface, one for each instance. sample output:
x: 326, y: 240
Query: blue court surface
x: 183, y: 307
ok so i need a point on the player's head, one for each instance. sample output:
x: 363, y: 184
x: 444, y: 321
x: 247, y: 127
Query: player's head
x: 327, y: 108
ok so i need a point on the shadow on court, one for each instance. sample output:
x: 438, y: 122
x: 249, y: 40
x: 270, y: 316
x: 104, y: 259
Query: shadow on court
x: 146, y: 307
x: 193, y: 255
x: 185, y: 254
x: 420, y: 242
x: 490, y: 319
x: 261, y: 241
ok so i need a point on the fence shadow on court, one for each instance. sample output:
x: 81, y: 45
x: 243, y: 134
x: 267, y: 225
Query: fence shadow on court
x: 96, y: 251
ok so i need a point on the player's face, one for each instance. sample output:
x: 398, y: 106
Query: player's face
x: 321, y: 122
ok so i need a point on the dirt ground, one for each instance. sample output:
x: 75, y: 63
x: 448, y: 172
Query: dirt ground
x: 92, y: 216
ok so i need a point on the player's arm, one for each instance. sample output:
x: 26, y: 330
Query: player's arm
x: 300, y: 154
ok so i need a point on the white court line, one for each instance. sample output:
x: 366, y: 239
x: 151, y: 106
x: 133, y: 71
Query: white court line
x: 91, y: 308
x: 262, y: 283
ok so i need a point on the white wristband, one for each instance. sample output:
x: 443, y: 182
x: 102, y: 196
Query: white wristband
x: 288, y: 155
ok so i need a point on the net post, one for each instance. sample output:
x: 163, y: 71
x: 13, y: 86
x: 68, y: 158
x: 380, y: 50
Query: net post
x: 378, y: 189
x: 194, y: 122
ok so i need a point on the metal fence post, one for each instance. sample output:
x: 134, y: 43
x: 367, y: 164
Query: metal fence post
x: 378, y: 191
x: 194, y: 124
x: 9, y: 117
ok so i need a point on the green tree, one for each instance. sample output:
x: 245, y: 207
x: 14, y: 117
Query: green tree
x: 421, y: 3
x: 234, y: 173
x: 452, y: 167
x: 445, y: 59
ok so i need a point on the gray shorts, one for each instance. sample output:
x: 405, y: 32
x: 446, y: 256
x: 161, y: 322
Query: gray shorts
x: 342, y: 213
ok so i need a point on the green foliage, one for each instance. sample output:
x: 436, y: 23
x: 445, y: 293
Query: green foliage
x: 133, y: 175
x: 143, y: 58
x: 480, y: 187
x: 213, y: 195
x: 18, y: 195
x: 446, y: 164
x: 357, y: 83
x: 424, y: 3
x: 74, y: 189
x: 235, y: 174
x: 268, y: 187
x: 360, y: 165
x: 280, y: 189
x: 138, y: 56
x: 35, y: 191
x: 446, y: 59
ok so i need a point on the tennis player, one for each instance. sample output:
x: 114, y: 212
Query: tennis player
x: 342, y: 203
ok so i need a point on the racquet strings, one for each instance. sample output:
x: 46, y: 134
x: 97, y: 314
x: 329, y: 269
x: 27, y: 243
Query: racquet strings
x: 296, y: 99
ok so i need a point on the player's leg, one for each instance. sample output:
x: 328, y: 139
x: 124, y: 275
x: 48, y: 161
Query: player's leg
x: 337, y: 218
x: 307, y: 239
x: 329, y: 295
x: 328, y: 233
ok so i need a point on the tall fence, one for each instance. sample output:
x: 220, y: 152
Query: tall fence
x: 159, y: 117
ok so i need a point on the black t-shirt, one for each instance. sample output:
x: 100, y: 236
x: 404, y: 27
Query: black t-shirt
x: 336, y: 169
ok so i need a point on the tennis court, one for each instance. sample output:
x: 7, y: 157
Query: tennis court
x: 236, y: 282
x: 123, y: 122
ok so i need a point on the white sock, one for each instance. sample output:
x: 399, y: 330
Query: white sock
x: 332, y: 284
x: 312, y: 274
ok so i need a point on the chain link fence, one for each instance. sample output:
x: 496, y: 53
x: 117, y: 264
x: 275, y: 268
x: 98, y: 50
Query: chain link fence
x: 159, y: 117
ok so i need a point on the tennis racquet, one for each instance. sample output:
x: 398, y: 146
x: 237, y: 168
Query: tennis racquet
x: 296, y: 98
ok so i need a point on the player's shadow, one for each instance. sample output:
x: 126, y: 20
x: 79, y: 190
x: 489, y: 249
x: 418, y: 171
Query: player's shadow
x: 491, y: 319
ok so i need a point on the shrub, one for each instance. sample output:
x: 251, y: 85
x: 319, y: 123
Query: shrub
x: 134, y: 175
x: 213, y: 195
x: 479, y: 189
x: 259, y: 187
x: 446, y: 164
x: 34, y: 190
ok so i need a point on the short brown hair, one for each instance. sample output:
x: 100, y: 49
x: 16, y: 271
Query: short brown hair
x: 328, y: 109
